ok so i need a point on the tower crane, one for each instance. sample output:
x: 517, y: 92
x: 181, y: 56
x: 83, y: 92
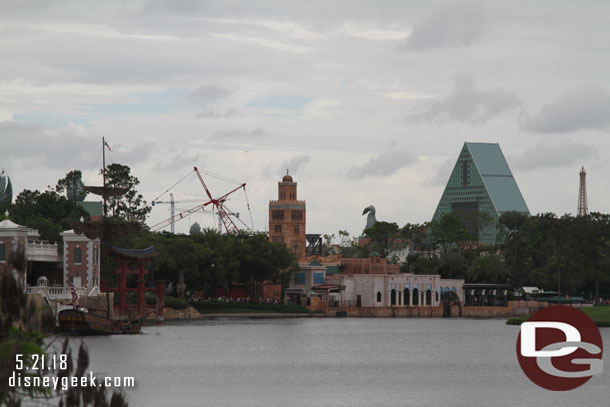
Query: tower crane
x: 225, y: 215
x: 172, y: 208
x: 173, y: 203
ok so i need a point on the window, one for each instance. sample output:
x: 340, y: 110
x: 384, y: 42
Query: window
x: 464, y: 173
x: 296, y: 230
x: 300, y: 278
x: 277, y: 215
x: 378, y: 296
x: 277, y: 228
x: 2, y: 252
x: 296, y: 215
x: 77, y: 255
x: 292, y: 196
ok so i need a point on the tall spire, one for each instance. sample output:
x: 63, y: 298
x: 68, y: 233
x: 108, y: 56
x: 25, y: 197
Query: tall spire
x: 583, y: 209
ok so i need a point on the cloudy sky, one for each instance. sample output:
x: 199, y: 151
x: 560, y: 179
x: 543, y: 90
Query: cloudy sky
x: 365, y: 102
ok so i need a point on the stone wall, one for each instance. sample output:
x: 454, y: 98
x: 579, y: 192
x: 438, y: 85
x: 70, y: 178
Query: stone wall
x: 483, y: 312
x: 170, y: 313
x: 388, y: 311
x: 514, y: 308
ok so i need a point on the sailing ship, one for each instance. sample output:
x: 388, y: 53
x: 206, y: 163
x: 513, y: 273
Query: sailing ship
x: 93, y: 322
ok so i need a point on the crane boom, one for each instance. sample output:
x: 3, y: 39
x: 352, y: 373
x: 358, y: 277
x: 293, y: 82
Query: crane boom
x: 178, y: 217
x: 223, y: 213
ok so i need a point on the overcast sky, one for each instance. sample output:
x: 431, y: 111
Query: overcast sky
x: 364, y: 102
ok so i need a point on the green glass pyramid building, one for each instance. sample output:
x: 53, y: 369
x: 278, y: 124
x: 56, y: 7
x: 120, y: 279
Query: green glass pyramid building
x: 481, y: 187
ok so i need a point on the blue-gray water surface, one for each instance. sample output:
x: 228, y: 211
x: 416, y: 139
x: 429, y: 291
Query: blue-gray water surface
x: 331, y: 362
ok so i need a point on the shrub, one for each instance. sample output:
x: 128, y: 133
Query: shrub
x: 175, y: 303
x: 151, y: 299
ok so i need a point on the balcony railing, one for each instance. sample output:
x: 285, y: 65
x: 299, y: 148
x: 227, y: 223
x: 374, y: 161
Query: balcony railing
x: 59, y: 292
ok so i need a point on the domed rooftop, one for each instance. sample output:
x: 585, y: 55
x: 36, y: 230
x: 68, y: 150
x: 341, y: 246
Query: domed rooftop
x: 287, y: 177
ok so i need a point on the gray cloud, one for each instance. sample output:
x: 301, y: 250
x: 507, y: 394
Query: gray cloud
x: 450, y: 25
x: 61, y: 148
x: 295, y: 163
x: 583, y: 107
x: 550, y: 156
x: 174, y: 160
x: 384, y: 164
x: 206, y: 98
x: 257, y: 133
x: 466, y: 103
x: 442, y: 173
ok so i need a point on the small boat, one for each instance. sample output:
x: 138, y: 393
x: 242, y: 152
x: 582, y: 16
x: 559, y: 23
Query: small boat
x: 80, y: 322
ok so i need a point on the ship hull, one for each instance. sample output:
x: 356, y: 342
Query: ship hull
x: 83, y: 323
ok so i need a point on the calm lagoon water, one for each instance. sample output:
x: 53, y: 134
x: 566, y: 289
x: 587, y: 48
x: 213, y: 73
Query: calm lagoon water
x: 331, y: 362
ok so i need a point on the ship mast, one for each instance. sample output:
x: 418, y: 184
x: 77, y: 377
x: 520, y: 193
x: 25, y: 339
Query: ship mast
x: 104, y: 220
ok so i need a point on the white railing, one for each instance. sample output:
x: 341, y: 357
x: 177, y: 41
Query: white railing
x: 56, y: 292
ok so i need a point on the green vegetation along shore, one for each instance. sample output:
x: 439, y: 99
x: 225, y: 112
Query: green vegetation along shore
x: 599, y: 315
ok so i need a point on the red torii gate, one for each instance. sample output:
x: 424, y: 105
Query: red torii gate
x: 139, y: 257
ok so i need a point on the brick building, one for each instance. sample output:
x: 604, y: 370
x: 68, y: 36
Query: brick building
x: 370, y: 265
x: 81, y: 260
x: 287, y: 218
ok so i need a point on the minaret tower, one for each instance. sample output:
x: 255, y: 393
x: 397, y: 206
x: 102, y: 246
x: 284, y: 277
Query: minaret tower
x: 287, y: 217
x: 583, y: 209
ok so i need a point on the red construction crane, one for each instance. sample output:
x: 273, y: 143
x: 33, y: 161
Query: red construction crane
x: 219, y: 203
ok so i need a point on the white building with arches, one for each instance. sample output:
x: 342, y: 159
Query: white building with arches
x: 393, y: 290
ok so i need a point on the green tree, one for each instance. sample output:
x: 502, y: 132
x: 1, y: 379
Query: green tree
x: 46, y: 211
x: 72, y: 183
x: 130, y: 206
x: 345, y: 240
x: 211, y: 260
x: 327, y: 243
x: 254, y: 260
x: 488, y: 268
x: 418, y: 235
x: 448, y: 231
x: 383, y: 236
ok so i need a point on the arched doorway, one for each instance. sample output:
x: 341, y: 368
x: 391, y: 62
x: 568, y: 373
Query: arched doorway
x: 406, y: 297
x: 393, y: 297
x: 428, y: 297
x: 378, y: 296
x: 415, y: 296
x: 450, y: 299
